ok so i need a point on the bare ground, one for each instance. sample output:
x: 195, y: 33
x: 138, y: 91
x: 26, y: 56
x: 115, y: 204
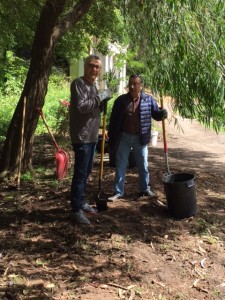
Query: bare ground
x: 135, y: 249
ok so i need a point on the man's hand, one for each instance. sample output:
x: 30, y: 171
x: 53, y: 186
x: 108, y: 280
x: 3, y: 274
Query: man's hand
x: 164, y: 114
x: 105, y: 95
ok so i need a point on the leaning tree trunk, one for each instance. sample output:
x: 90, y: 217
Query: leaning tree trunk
x: 49, y: 29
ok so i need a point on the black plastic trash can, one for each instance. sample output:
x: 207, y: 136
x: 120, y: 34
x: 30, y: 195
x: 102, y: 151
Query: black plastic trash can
x: 180, y: 194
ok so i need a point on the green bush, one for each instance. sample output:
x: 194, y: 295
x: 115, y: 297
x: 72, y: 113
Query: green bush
x: 55, y: 113
x: 12, y: 77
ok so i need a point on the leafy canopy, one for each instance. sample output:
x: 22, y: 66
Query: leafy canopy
x: 182, y: 44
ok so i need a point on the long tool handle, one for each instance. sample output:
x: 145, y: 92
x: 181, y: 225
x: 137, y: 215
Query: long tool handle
x: 164, y: 135
x: 102, y: 145
x: 43, y: 118
x: 21, y: 154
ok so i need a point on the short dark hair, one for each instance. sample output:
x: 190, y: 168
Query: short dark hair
x: 91, y: 57
x: 136, y: 76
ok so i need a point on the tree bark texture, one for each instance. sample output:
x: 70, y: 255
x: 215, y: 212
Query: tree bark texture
x: 49, y: 28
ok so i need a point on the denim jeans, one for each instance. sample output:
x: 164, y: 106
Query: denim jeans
x: 84, y: 154
x: 140, y: 152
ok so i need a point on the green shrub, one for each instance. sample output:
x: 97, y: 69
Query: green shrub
x: 12, y: 76
x: 55, y: 113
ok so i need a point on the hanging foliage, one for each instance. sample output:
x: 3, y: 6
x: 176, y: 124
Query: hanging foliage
x: 182, y: 44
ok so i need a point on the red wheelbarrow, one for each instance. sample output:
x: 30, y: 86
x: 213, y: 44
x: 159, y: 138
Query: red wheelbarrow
x: 61, y: 156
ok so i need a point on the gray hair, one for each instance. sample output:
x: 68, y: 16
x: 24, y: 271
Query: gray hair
x: 91, y: 57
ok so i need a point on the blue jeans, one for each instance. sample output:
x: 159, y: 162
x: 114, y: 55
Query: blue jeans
x: 84, y: 154
x: 140, y: 152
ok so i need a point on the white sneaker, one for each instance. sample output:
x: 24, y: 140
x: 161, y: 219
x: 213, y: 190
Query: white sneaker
x: 114, y: 197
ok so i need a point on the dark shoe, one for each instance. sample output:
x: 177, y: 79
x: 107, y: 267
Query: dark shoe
x: 148, y: 193
x: 88, y: 209
x: 114, y: 197
x: 80, y: 218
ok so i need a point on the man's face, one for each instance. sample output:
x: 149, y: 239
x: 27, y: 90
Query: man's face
x: 92, y: 70
x: 135, y: 87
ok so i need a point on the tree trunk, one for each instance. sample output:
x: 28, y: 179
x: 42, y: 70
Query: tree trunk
x: 49, y: 29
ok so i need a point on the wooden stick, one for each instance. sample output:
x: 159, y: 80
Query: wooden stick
x: 21, y: 153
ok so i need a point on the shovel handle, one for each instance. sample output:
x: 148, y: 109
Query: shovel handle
x: 103, y: 144
x: 164, y: 135
x: 163, y: 125
x: 43, y: 118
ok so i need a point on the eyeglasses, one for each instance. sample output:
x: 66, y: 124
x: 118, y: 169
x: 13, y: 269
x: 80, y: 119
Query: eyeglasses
x: 136, y: 76
x: 97, y: 67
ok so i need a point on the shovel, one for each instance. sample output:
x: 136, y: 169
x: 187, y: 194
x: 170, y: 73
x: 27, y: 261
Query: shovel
x: 100, y: 202
x: 61, y: 156
x: 164, y: 137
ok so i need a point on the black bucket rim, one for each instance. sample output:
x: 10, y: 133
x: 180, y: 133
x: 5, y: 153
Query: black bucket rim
x: 190, y: 177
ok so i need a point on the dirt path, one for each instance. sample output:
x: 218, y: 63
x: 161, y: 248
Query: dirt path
x: 195, y: 137
x: 135, y: 249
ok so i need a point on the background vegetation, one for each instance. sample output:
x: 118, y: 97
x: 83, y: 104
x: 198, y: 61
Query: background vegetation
x: 13, y: 75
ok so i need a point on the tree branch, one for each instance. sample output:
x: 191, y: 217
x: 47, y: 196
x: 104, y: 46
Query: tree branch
x: 72, y: 17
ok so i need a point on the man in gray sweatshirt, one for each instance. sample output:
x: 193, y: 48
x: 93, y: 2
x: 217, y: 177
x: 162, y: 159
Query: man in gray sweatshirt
x: 85, y: 112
